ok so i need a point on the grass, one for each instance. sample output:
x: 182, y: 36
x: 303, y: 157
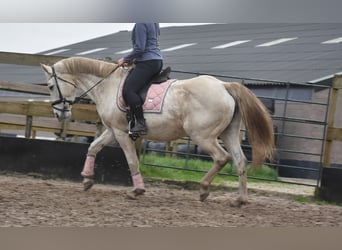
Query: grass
x: 179, y: 169
x: 194, y: 169
x: 314, y: 200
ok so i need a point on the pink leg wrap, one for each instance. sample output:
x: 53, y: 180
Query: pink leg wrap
x: 88, y: 169
x: 138, y: 181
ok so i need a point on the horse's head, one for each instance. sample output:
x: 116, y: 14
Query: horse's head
x: 62, y: 91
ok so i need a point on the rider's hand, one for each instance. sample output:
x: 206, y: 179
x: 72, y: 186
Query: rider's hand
x: 121, y: 62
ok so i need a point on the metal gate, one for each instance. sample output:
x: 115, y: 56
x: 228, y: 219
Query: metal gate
x: 299, y: 113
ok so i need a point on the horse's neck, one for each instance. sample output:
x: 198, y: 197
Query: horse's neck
x: 104, y: 91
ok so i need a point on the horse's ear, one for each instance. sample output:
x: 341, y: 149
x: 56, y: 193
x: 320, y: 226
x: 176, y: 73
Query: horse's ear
x: 46, y: 68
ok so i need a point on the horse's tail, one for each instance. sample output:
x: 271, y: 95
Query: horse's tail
x: 257, y: 121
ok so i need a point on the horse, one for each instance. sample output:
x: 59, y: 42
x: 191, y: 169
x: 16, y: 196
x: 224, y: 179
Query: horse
x: 204, y: 108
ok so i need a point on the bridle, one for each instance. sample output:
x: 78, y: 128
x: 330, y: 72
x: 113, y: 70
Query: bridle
x: 65, y: 101
x: 61, y: 99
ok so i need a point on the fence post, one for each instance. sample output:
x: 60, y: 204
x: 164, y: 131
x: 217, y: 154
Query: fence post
x: 28, y: 126
x: 332, y: 132
x: 64, y: 129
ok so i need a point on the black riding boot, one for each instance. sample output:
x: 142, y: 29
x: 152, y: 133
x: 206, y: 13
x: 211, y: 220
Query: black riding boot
x: 140, y: 125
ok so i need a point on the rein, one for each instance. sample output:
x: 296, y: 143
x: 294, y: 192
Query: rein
x: 63, y: 99
x: 86, y: 92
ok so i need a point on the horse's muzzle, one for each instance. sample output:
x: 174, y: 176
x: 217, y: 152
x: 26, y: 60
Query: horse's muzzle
x: 61, y: 116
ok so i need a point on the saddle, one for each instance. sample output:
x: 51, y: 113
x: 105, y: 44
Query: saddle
x: 163, y: 76
x: 164, y: 80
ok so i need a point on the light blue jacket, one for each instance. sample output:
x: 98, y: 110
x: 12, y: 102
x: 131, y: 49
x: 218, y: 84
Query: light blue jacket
x: 145, y: 40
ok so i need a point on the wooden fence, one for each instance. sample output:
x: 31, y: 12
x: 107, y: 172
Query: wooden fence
x: 32, y: 116
x: 27, y: 59
x: 38, y: 116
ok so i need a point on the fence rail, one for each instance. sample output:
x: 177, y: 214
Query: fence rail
x: 300, y: 137
x: 38, y: 116
x: 24, y: 88
x: 27, y: 59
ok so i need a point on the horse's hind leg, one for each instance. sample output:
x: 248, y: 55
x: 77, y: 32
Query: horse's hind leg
x: 220, y: 158
x: 88, y: 169
x: 231, y: 140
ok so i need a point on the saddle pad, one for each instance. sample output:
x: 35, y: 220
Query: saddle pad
x: 154, y: 98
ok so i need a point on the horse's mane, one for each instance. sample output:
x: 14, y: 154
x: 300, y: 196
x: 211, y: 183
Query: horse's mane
x: 79, y: 65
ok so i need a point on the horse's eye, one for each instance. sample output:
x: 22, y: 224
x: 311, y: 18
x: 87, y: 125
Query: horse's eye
x: 51, y: 87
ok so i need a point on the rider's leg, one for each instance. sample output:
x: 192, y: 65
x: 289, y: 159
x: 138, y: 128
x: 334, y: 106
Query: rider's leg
x: 140, y: 126
x: 137, y: 79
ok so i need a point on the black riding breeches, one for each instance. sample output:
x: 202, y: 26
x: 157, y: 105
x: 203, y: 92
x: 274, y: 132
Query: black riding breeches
x: 141, y: 75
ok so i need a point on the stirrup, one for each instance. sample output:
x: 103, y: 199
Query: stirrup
x: 141, y: 131
x: 134, y: 136
x: 129, y: 126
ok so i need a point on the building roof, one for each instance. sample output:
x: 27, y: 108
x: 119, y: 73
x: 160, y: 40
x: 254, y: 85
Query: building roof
x: 283, y: 52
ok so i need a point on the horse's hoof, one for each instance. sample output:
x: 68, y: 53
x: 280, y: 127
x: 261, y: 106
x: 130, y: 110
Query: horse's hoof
x: 135, y: 193
x: 139, y: 191
x: 204, y: 191
x: 204, y: 196
x: 239, y: 202
x: 87, y: 183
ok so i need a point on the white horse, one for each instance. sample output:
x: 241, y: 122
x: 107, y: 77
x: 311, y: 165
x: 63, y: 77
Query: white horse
x: 204, y: 108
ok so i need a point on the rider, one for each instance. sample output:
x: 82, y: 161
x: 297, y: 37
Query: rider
x: 148, y: 61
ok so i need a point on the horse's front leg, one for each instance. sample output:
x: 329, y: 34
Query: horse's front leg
x: 88, y: 169
x: 128, y: 146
